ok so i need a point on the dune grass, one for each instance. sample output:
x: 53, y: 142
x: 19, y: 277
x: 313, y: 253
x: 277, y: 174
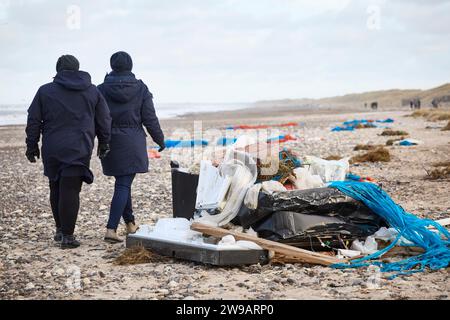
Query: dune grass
x: 432, y: 115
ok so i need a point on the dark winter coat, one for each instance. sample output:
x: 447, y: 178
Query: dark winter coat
x: 131, y: 106
x: 69, y: 113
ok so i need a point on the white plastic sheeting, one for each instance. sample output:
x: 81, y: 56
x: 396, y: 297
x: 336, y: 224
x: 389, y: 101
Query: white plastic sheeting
x: 251, y: 198
x: 212, y: 187
x: 178, y: 231
x: 328, y: 170
x: 304, y: 180
x: 241, y: 168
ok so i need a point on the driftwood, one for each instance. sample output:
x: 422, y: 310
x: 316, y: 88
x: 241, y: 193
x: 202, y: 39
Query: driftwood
x: 302, y: 255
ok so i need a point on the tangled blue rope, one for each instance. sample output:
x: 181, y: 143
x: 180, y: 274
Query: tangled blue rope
x: 408, y: 226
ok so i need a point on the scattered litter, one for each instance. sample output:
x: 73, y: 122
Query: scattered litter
x: 212, y: 187
x: 244, y: 141
x: 284, y: 166
x: 354, y: 177
x: 338, y: 129
x: 176, y: 239
x: 360, y: 124
x: 343, y: 253
x: 391, y: 142
x: 230, y: 241
x: 282, y: 139
x: 305, y: 180
x: 241, y: 168
x: 185, y: 143
x: 226, y: 141
x: 253, y: 127
x: 412, y: 228
x: 301, y: 217
x: 367, y: 247
x: 408, y: 142
x: 328, y: 170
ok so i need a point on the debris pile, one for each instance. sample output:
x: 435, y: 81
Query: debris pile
x: 244, y: 206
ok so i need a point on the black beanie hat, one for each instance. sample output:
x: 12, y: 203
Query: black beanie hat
x: 67, y: 62
x: 121, y: 61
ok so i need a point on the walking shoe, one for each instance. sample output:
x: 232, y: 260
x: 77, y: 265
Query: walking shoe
x: 132, y: 227
x: 112, y: 237
x: 58, y: 235
x: 69, y: 242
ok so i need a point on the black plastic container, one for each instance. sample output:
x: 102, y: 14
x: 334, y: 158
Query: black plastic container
x: 184, y: 192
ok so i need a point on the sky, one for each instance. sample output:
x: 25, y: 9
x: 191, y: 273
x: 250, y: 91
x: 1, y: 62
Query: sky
x: 230, y: 50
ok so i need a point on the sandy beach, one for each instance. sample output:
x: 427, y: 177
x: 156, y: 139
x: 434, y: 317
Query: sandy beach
x: 33, y: 267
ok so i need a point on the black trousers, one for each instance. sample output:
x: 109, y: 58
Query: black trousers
x: 65, y: 202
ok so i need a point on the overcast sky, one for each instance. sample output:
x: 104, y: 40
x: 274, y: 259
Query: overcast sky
x: 230, y: 50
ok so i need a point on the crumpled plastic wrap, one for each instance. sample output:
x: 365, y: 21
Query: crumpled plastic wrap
x: 301, y: 217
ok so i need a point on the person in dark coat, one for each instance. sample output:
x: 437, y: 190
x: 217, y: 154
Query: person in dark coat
x: 68, y: 112
x: 131, y: 106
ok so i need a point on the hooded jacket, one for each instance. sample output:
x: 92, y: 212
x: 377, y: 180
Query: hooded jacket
x: 131, y: 107
x: 69, y: 113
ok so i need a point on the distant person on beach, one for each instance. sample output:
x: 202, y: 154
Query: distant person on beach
x: 435, y: 103
x: 131, y: 106
x: 69, y: 112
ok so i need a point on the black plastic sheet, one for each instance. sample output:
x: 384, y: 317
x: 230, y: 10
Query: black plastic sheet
x: 310, y: 218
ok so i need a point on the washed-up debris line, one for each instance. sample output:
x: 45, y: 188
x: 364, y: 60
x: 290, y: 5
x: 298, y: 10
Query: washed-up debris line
x: 307, y: 206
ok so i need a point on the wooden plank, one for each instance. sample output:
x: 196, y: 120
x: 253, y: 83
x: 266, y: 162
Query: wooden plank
x: 444, y: 222
x: 286, y: 250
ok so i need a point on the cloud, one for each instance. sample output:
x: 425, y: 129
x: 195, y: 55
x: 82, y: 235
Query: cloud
x: 230, y: 50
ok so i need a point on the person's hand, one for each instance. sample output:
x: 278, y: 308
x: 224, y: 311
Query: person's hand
x: 32, y: 153
x: 162, y: 147
x: 103, y: 150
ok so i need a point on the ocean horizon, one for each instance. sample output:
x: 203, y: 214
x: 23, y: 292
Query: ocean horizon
x: 16, y: 114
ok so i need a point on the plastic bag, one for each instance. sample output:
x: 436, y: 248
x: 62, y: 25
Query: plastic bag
x: 241, y: 167
x: 368, y: 247
x: 305, y: 180
x: 328, y: 170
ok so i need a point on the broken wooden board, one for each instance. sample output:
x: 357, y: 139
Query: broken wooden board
x: 202, y: 253
x: 302, y: 255
x: 444, y: 222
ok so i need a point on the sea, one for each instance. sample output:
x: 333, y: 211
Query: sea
x: 16, y: 114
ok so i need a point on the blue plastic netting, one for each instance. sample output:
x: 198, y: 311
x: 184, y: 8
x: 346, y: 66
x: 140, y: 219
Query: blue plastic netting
x: 412, y: 228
